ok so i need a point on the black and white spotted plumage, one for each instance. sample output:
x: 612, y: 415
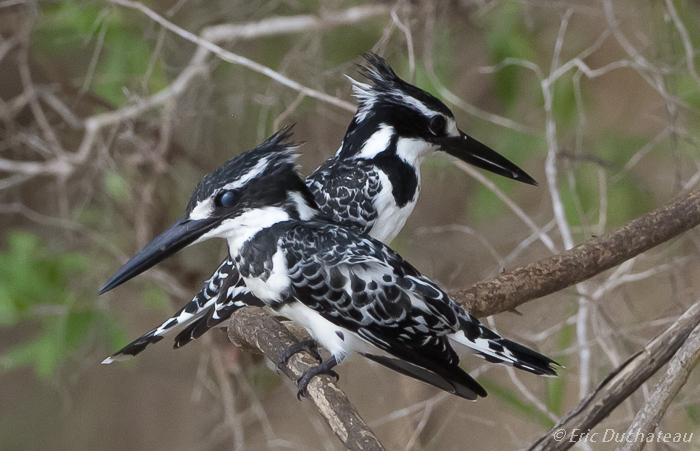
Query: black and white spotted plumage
x: 360, y: 286
x: 346, y: 190
x: 372, y: 183
x: 349, y: 290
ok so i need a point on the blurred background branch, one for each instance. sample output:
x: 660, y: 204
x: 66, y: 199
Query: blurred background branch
x: 514, y: 288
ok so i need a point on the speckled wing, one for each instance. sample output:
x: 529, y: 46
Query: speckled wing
x: 344, y: 191
x: 358, y: 283
x: 227, y: 294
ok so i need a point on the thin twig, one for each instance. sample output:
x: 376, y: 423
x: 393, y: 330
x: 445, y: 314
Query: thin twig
x: 229, y: 400
x: 234, y: 58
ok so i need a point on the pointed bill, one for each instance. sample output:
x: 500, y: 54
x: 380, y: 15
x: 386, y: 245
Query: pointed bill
x: 175, y: 238
x: 480, y: 155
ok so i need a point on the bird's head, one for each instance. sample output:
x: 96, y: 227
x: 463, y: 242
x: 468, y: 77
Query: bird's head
x: 395, y: 117
x: 252, y: 191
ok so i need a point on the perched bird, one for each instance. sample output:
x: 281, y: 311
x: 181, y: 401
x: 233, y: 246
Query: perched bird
x: 350, y: 291
x: 371, y: 183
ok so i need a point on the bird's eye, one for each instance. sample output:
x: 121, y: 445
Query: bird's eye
x: 227, y: 199
x: 437, y: 124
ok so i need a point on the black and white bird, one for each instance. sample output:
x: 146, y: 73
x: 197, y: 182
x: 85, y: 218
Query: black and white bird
x: 372, y: 183
x: 349, y: 290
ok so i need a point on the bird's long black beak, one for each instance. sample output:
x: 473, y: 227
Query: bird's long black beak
x: 480, y: 155
x: 176, y: 237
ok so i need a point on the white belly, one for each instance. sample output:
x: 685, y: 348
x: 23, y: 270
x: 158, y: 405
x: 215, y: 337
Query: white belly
x: 339, y: 341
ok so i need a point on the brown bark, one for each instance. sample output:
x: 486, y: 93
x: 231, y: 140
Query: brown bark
x: 547, y: 276
x: 255, y: 327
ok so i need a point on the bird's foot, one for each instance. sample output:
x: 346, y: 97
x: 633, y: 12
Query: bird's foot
x: 323, y: 368
x: 304, y: 345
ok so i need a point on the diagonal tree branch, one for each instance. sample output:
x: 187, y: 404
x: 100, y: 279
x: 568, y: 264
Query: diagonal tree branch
x: 620, y: 384
x: 252, y: 326
x: 674, y: 378
x: 513, y: 288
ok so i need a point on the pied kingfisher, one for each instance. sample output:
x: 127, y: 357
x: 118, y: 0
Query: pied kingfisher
x: 350, y: 291
x: 372, y: 183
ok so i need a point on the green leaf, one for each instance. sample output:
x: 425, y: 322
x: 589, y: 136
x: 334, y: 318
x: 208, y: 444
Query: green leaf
x: 507, y: 37
x: 693, y: 412
x: 564, y: 101
x: 77, y: 327
x: 688, y: 89
x: 35, y: 288
x: 346, y: 43
x: 43, y: 353
x: 9, y: 313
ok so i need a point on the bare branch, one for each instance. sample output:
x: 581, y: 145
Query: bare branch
x: 582, y: 262
x: 621, y: 383
x: 292, y: 24
x: 236, y: 59
x: 258, y: 329
x: 674, y: 378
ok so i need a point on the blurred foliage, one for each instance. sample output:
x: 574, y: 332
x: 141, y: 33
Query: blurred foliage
x: 112, y: 53
x: 693, y: 412
x: 117, y: 187
x: 507, y: 37
x: 36, y: 293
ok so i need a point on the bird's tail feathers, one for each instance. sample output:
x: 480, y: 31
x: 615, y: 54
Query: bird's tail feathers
x: 497, y: 349
x: 186, y: 315
x: 224, y: 293
x: 214, y: 317
x: 454, y: 380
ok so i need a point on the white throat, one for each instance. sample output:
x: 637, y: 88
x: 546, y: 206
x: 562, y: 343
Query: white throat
x: 414, y: 151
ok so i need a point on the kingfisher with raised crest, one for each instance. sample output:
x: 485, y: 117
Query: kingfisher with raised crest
x: 372, y: 183
x: 349, y: 290
x: 362, y: 186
